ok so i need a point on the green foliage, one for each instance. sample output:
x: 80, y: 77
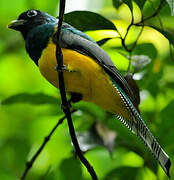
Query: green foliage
x: 30, y: 106
x: 118, y: 3
x: 70, y: 169
x: 168, y: 33
x: 122, y: 172
x: 37, y: 99
x: 171, y: 4
x: 140, y: 3
x: 86, y: 21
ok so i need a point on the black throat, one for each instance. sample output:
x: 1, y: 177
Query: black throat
x: 37, y: 39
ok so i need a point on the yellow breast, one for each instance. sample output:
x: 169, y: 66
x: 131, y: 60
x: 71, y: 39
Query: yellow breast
x: 85, y: 76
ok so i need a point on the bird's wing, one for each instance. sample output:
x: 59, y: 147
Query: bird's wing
x: 76, y: 40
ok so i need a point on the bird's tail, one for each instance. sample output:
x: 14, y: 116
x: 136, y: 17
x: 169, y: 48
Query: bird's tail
x: 138, y: 127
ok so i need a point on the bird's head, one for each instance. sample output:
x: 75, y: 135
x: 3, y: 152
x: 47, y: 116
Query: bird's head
x: 31, y: 19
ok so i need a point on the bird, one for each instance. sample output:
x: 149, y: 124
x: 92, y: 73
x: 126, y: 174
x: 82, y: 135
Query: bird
x: 89, y: 73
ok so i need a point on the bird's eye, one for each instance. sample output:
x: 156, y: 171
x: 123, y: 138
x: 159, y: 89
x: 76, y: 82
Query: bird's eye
x: 32, y: 13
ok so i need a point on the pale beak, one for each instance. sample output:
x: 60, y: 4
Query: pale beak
x: 14, y: 24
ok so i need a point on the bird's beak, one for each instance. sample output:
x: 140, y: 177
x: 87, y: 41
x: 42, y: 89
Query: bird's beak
x: 15, y: 24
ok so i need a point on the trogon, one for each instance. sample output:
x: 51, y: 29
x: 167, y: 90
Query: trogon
x: 89, y: 73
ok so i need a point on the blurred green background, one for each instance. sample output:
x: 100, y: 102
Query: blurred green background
x: 24, y: 125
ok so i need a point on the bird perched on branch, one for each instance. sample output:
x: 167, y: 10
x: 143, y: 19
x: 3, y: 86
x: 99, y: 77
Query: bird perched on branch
x: 89, y: 73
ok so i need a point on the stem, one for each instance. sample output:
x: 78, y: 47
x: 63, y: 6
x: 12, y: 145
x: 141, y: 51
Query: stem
x: 30, y: 163
x: 65, y: 104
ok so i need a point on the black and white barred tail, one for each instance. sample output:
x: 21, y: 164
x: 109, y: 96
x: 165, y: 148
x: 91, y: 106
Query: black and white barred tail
x: 138, y: 127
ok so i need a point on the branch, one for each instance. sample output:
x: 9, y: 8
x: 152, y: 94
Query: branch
x: 30, y: 163
x: 141, y: 23
x: 124, y: 39
x: 65, y: 103
x: 153, y: 15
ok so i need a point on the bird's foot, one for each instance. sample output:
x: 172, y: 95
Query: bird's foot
x: 63, y: 68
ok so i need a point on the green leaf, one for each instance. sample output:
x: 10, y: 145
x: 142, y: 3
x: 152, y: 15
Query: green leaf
x: 140, y: 3
x: 117, y: 3
x: 170, y: 85
x: 26, y: 98
x: 123, y: 173
x: 71, y: 169
x: 171, y: 5
x: 168, y: 33
x: 103, y: 41
x: 148, y: 49
x: 86, y: 21
x: 167, y: 124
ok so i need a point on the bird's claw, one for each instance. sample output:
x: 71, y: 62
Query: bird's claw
x: 63, y: 68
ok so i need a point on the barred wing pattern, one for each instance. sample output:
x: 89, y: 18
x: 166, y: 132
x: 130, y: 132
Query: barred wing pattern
x: 139, y: 127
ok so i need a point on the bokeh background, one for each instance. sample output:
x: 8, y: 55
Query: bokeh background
x: 27, y: 118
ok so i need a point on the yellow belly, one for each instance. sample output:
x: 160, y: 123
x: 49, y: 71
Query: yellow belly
x: 85, y: 76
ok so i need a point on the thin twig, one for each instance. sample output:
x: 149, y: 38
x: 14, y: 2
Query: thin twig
x: 141, y: 23
x: 65, y: 103
x: 153, y: 15
x: 130, y: 58
x: 123, y: 40
x: 30, y: 163
x: 139, y: 34
x: 156, y: 12
x: 159, y: 19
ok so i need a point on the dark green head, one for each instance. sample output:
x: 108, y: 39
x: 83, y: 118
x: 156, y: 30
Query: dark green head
x: 31, y: 19
x: 36, y: 27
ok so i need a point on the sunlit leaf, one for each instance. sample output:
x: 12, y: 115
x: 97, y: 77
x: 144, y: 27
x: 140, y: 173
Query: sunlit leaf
x: 117, y: 3
x: 168, y: 33
x: 26, y: 98
x: 86, y: 20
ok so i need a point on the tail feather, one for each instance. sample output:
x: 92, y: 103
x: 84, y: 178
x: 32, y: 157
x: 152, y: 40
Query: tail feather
x: 138, y: 127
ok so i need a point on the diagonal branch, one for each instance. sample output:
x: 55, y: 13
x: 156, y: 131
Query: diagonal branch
x: 30, y: 163
x: 65, y: 103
